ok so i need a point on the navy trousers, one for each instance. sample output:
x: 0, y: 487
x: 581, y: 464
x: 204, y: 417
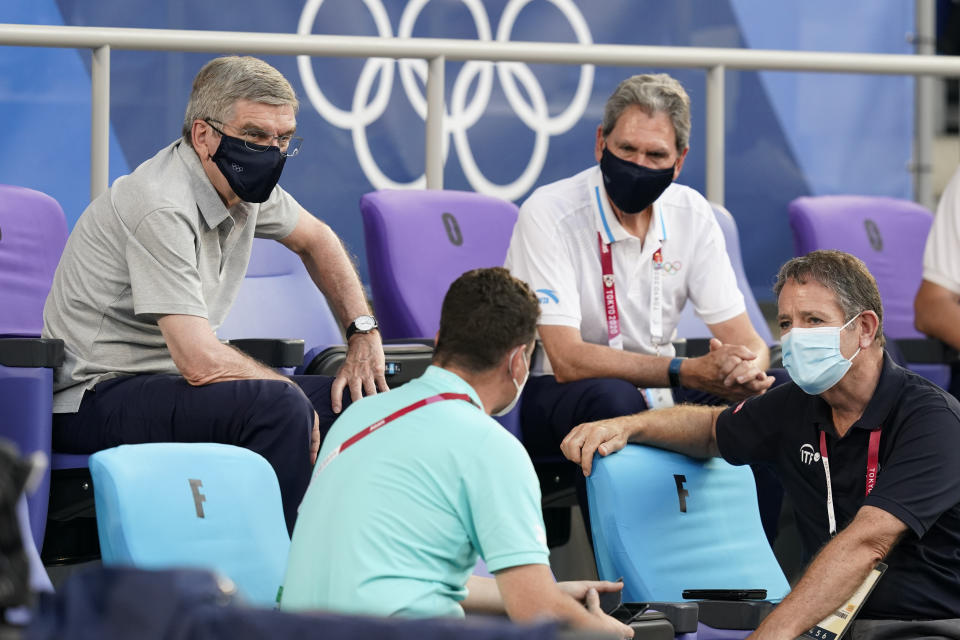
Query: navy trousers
x: 270, y: 417
x: 550, y: 410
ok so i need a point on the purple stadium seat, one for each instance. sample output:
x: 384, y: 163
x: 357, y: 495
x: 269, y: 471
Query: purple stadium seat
x: 419, y: 242
x: 889, y: 235
x: 33, y: 231
x: 690, y: 326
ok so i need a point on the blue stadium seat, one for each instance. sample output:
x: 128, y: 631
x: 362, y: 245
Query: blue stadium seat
x: 665, y: 523
x: 195, y: 505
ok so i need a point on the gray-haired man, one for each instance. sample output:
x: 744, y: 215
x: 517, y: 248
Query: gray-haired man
x: 614, y: 253
x: 153, y: 266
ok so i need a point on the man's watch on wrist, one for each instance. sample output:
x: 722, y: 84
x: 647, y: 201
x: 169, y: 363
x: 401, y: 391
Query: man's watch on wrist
x: 361, y: 324
x: 673, y: 371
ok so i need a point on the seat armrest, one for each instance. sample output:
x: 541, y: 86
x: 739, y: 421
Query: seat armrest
x: 734, y: 614
x: 273, y: 352
x: 926, y: 351
x: 682, y: 615
x: 404, y: 360
x: 776, y: 356
x: 31, y: 352
x: 691, y: 347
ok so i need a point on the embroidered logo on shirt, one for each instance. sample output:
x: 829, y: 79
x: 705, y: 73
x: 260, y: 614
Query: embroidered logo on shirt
x: 548, y: 295
x: 673, y: 267
x: 808, y: 455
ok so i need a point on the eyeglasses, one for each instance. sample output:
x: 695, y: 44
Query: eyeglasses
x: 259, y: 140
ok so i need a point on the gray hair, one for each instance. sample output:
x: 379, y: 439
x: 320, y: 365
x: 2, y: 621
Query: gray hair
x: 846, y: 275
x: 653, y: 93
x: 223, y: 81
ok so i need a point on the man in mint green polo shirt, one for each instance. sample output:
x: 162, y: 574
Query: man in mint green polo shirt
x: 412, y: 485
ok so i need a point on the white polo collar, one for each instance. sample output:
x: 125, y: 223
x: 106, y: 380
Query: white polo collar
x: 605, y: 219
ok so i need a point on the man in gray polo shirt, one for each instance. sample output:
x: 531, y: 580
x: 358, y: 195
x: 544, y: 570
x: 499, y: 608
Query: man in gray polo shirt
x: 153, y: 266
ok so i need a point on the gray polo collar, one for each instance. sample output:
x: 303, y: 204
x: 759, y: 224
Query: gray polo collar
x: 208, y: 200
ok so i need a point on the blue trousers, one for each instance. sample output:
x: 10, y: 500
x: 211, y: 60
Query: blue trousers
x: 550, y: 410
x: 270, y: 417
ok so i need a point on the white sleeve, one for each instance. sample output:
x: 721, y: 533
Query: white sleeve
x: 540, y: 256
x: 940, y: 258
x: 711, y: 281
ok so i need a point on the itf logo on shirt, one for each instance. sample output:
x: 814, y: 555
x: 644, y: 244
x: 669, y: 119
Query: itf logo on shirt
x: 546, y: 295
x: 808, y: 455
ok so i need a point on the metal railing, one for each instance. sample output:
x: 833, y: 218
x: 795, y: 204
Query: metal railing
x: 437, y: 51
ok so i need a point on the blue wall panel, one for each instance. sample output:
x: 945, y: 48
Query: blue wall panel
x: 787, y: 134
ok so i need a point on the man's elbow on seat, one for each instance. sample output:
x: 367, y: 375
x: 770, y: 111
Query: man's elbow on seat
x: 199, y: 368
x: 564, y: 372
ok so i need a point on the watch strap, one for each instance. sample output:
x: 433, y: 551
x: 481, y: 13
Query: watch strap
x: 673, y: 371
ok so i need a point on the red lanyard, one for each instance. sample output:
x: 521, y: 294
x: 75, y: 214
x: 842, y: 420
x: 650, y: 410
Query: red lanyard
x: 614, y: 337
x: 873, y: 466
x: 399, y: 413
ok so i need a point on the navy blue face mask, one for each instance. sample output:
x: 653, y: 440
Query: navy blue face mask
x: 631, y: 187
x: 251, y: 174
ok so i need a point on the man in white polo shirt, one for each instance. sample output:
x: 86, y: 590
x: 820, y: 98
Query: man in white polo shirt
x: 614, y: 253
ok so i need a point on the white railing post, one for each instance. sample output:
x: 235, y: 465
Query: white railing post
x: 716, y: 123
x: 924, y: 108
x: 100, y: 121
x: 434, y: 123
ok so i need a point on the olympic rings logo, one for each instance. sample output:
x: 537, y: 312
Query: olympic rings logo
x: 459, y: 115
x: 668, y: 267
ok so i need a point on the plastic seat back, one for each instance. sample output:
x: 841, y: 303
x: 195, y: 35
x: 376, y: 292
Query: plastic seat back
x: 889, y: 235
x: 201, y: 505
x: 419, y: 242
x: 666, y: 522
x: 690, y: 326
x: 33, y: 232
x: 278, y: 299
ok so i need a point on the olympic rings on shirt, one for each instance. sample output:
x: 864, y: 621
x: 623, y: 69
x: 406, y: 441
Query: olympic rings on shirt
x: 669, y: 267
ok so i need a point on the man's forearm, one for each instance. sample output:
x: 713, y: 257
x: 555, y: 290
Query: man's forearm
x: 229, y: 363
x: 686, y: 429
x: 335, y: 275
x: 483, y: 596
x: 937, y: 313
x: 833, y: 576
x: 586, y: 360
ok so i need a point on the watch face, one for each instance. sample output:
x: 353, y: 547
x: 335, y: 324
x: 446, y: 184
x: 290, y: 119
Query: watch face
x: 365, y: 323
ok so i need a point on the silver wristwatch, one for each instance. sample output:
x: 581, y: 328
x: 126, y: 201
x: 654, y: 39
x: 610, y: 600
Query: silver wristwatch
x: 361, y: 324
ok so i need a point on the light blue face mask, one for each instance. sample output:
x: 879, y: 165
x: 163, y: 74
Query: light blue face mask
x: 812, y: 357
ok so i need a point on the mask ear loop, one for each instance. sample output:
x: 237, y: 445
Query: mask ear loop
x: 850, y: 359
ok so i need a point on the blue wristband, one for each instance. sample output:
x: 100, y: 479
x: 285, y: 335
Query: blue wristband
x: 673, y: 371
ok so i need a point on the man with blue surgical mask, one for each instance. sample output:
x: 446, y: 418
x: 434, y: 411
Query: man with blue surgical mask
x: 868, y: 452
x: 153, y: 266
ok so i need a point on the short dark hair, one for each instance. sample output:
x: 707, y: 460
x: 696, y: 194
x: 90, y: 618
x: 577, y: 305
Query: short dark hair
x: 485, y: 313
x: 844, y: 274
